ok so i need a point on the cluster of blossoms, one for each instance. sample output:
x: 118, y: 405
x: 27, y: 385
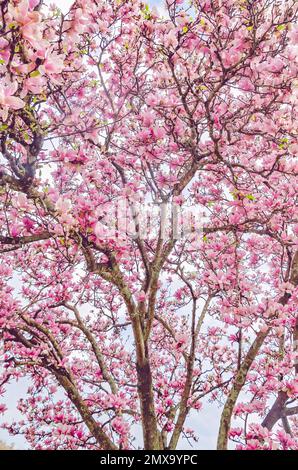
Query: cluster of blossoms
x: 193, y: 107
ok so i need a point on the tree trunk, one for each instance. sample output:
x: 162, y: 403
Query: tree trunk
x: 276, y: 411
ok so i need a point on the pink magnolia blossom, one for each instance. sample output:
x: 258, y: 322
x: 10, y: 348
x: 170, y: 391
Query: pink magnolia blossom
x: 246, y: 85
x: 35, y: 85
x: 63, y: 205
x: 294, y: 34
x: 171, y: 39
x: 4, y: 50
x: 148, y: 118
x: 141, y: 296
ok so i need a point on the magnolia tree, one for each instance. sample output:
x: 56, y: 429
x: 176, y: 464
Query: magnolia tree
x: 149, y: 222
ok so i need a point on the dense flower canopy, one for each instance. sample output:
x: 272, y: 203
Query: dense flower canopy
x: 115, y: 104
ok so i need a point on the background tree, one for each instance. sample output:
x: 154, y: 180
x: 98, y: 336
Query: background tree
x: 194, y: 110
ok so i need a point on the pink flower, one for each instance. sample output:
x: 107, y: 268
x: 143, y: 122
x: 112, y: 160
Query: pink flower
x: 79, y: 433
x: 21, y: 202
x: 293, y: 148
x: 22, y: 68
x: 34, y: 84
x: 275, y: 65
x: 120, y: 426
x: 246, y: 85
x: 63, y: 206
x: 141, y: 296
x: 100, y: 230
x: 20, y: 12
x: 159, y: 133
x: 292, y: 388
x: 28, y: 223
x: 32, y: 32
x: 181, y: 341
x: 235, y: 432
x: 8, y: 101
x: 147, y: 118
x: 286, y: 441
x: 293, y: 35
x: 171, y: 39
x: 30, y: 21
x: 75, y: 158
x: 231, y: 57
x: 53, y: 64
x: 33, y: 4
